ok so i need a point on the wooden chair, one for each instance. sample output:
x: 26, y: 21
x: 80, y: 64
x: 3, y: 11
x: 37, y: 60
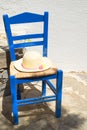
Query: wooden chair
x: 17, y: 77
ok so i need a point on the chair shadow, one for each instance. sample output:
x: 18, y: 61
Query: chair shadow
x: 31, y: 116
x: 29, y: 92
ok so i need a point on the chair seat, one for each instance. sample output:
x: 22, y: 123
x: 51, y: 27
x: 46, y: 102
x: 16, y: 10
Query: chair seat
x: 19, y: 74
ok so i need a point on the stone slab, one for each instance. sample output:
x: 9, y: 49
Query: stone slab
x: 4, y: 58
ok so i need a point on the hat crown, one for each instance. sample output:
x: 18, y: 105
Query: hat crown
x: 31, y: 59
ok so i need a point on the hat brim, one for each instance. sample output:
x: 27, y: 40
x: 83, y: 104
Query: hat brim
x: 46, y: 64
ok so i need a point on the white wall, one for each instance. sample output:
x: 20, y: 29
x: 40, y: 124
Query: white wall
x: 67, y: 28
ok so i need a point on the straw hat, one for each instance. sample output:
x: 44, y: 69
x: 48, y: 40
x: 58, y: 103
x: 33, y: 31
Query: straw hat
x: 32, y: 61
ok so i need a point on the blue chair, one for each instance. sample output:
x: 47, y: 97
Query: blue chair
x: 18, y: 77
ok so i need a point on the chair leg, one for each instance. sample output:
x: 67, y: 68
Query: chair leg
x: 14, y: 99
x: 59, y: 93
x: 43, y: 88
x: 18, y: 92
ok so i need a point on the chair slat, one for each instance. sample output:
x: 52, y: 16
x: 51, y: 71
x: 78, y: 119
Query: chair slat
x: 26, y: 18
x: 36, y: 100
x: 27, y: 44
x: 27, y: 36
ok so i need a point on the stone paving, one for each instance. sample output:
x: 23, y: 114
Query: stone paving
x: 42, y: 116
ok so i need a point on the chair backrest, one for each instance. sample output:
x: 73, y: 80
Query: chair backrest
x: 22, y: 19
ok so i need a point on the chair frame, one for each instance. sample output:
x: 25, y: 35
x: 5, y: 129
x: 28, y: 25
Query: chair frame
x: 14, y: 82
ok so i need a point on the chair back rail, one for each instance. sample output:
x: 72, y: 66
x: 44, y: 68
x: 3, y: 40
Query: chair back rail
x: 26, y: 18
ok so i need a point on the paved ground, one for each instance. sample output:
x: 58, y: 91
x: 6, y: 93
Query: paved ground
x: 42, y: 117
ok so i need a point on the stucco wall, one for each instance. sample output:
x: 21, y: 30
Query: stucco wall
x: 67, y: 28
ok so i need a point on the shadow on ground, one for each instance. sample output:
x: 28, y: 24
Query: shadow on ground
x: 38, y: 117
